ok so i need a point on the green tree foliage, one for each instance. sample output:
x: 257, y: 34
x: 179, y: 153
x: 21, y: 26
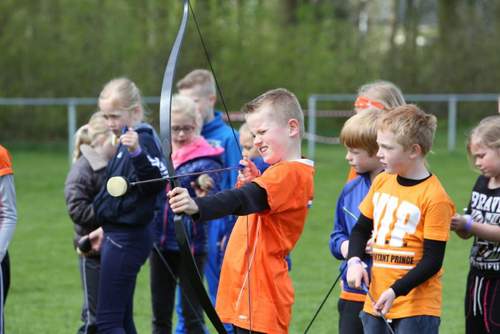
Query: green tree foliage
x: 59, y: 48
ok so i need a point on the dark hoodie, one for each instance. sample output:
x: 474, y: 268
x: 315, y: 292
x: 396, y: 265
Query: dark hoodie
x: 140, y: 204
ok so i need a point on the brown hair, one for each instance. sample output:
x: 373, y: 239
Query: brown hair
x: 284, y: 104
x: 202, y: 78
x: 360, y: 131
x: 410, y: 125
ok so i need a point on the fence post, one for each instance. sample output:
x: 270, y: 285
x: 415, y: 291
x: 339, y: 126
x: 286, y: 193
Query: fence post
x: 71, y: 128
x: 452, y: 122
x: 311, y: 127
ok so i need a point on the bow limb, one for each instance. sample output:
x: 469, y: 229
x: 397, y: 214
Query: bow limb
x: 189, y: 276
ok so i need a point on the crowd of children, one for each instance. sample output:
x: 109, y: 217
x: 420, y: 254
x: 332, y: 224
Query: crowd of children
x: 391, y: 224
x: 392, y: 219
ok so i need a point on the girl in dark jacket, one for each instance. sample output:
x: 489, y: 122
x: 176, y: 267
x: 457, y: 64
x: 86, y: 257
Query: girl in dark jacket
x: 191, y: 153
x: 93, y: 150
x: 126, y: 220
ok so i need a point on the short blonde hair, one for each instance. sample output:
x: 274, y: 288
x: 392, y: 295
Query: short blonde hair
x: 284, y: 105
x: 360, y: 131
x: 123, y: 94
x: 89, y: 133
x: 410, y: 125
x: 202, y: 78
x: 384, y: 92
x: 487, y: 133
x: 182, y: 105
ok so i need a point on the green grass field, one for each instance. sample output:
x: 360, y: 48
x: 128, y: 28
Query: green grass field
x: 45, y: 295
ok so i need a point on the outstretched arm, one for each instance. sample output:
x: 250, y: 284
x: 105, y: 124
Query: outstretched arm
x: 242, y: 201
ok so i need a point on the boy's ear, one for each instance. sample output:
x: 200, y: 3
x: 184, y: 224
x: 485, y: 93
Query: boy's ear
x: 415, y: 151
x: 293, y: 127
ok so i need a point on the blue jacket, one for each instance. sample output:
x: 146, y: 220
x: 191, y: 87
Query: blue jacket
x: 141, y: 203
x: 346, y: 216
x: 219, y: 134
x: 202, y: 159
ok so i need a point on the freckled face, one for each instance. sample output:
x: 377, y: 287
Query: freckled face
x: 270, y: 135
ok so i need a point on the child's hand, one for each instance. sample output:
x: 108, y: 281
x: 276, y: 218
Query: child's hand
x: 181, y: 202
x: 384, y: 303
x: 203, y: 185
x: 248, y: 172
x: 458, y: 223
x: 130, y: 139
x: 96, y: 237
x: 356, y: 273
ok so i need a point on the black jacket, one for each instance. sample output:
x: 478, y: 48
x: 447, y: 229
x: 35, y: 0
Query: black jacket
x: 140, y: 204
x: 83, y: 183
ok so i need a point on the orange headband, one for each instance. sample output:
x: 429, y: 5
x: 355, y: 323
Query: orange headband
x: 363, y: 103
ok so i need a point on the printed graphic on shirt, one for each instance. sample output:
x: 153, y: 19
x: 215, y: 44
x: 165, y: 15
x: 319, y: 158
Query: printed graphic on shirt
x: 403, y: 216
x: 394, y: 220
x: 484, y: 208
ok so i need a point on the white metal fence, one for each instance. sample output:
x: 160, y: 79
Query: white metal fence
x: 313, y: 113
x: 452, y: 101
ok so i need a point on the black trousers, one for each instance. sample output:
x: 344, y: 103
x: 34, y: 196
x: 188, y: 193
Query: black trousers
x: 90, y: 268
x: 163, y: 281
x: 5, y: 285
x: 349, y: 321
x: 482, y: 305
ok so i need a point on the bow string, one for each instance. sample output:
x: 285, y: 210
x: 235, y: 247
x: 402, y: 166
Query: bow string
x: 189, y: 276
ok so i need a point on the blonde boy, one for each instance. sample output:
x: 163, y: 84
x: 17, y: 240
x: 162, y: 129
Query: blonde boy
x: 199, y: 85
x: 255, y: 290
x: 359, y: 136
x: 409, y: 214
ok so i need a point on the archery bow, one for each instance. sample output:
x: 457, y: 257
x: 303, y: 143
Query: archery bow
x: 219, y: 89
x: 189, y: 276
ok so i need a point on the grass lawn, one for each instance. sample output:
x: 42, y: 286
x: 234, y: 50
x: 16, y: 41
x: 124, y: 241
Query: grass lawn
x: 45, y: 295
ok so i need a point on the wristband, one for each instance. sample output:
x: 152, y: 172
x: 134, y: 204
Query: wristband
x: 354, y: 260
x: 468, y: 223
x: 137, y: 151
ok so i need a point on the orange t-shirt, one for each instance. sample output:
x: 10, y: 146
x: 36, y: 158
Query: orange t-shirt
x: 5, y: 162
x: 403, y: 216
x: 271, y: 236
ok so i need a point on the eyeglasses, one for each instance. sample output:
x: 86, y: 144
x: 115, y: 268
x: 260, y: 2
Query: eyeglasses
x: 185, y: 129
